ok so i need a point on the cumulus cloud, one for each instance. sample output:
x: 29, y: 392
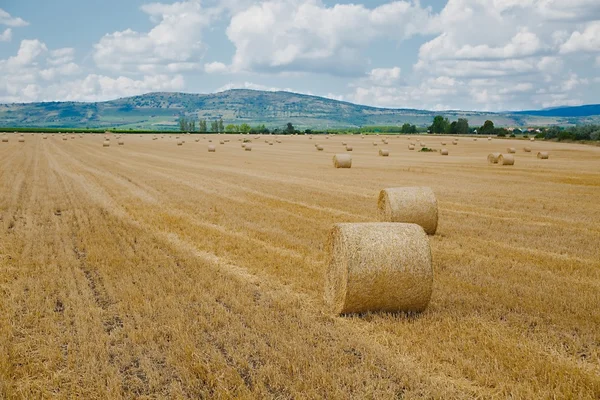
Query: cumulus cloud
x: 6, y: 36
x: 586, y: 41
x: 215, y: 68
x: 385, y: 76
x: 8, y: 20
x: 305, y: 35
x: 174, y: 44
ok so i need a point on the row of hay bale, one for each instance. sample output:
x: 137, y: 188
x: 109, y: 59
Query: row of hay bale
x: 509, y: 158
x: 386, y: 265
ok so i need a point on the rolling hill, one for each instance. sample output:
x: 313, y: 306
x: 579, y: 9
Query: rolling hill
x: 274, y: 109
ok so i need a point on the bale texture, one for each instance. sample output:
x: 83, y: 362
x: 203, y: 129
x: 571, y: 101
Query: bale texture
x: 342, y: 161
x: 493, y: 158
x: 511, y: 150
x: 412, y: 205
x: 543, y: 155
x: 506, y: 159
x: 211, y: 148
x: 378, y: 267
x: 384, y: 152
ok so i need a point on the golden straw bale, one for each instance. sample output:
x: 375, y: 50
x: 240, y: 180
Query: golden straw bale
x: 248, y: 147
x: 506, y: 159
x: 444, y: 152
x: 378, y: 267
x: 384, y: 152
x: 493, y: 158
x: 106, y: 143
x: 543, y: 155
x: 527, y: 149
x: 121, y: 143
x: 413, y: 205
x: 348, y: 148
x: 411, y: 147
x: 319, y: 147
x: 511, y: 150
x: 211, y: 148
x: 342, y: 161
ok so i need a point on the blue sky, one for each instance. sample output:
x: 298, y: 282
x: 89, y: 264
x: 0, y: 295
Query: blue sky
x: 436, y: 54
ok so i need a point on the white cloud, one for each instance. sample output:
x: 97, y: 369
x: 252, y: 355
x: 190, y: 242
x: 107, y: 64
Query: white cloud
x: 215, y: 68
x: 586, y: 41
x: 252, y: 86
x: 6, y: 36
x: 27, y: 54
x: 305, y: 35
x: 8, y: 20
x: 385, y: 76
x: 174, y: 44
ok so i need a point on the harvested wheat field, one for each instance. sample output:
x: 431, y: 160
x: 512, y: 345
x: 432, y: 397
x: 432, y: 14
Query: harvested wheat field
x: 153, y: 270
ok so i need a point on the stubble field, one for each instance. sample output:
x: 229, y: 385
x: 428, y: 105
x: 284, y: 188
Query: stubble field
x: 152, y: 270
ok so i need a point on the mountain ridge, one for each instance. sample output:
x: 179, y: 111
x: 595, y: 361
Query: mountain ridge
x: 161, y: 110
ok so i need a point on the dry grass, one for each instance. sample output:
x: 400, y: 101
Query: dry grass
x: 157, y: 271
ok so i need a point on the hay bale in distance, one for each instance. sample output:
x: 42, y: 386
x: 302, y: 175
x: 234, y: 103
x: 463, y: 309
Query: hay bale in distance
x: 511, y: 150
x: 342, y: 161
x: 319, y: 147
x: 384, y: 152
x: 121, y: 143
x: 506, y: 159
x: 454, y: 142
x: 527, y: 149
x: 106, y: 143
x: 444, y: 152
x: 374, y: 144
x: 543, y: 155
x: 21, y: 140
x: 179, y: 143
x: 248, y: 147
x: 443, y: 143
x: 412, y: 205
x: 348, y: 148
x: 5, y: 140
x: 211, y: 148
x: 532, y: 139
x: 411, y: 146
x: 493, y: 158
x: 378, y: 267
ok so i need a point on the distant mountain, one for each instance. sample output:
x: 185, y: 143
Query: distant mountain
x: 274, y: 109
x: 577, y: 111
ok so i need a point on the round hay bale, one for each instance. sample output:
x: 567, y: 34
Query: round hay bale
x: 443, y: 143
x: 344, y: 143
x: 211, y: 148
x: 179, y: 143
x: 454, y: 143
x: 532, y: 139
x: 378, y: 267
x: 319, y: 147
x: 527, y: 149
x: 64, y: 138
x: 489, y: 138
x: 121, y: 143
x: 342, y: 161
x: 411, y: 147
x: 243, y: 145
x: 511, y: 150
x: 348, y: 148
x: 385, y: 141
x: 21, y: 134
x: 444, y: 152
x: 493, y: 158
x: 21, y: 140
x: 248, y: 147
x: 543, y: 155
x: 222, y: 142
x: 4, y: 140
x: 384, y: 152
x: 506, y: 159
x: 270, y: 143
x: 197, y: 140
x: 106, y: 143
x: 374, y: 144
x: 412, y: 205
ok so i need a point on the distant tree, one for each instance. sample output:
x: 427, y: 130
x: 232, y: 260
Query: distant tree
x: 245, y: 128
x: 202, y: 126
x: 462, y: 126
x: 221, y: 125
x: 289, y: 130
x: 308, y: 131
x: 182, y: 124
x: 232, y: 128
x: 451, y: 129
x: 408, y: 128
x: 214, y: 126
x: 487, y: 128
x: 439, y: 124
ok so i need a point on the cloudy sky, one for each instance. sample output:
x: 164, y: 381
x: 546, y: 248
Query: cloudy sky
x: 433, y: 54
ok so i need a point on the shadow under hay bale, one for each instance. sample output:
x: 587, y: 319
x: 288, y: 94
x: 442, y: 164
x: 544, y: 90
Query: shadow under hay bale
x: 378, y: 267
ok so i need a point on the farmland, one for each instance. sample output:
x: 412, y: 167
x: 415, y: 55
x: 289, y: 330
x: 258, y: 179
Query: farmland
x: 152, y: 270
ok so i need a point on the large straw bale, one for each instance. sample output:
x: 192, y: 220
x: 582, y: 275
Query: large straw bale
x: 493, y: 158
x: 543, y: 155
x: 378, y: 267
x: 342, y: 161
x: 106, y: 143
x: 21, y: 140
x: 384, y: 152
x: 413, y: 205
x: 5, y: 139
x: 211, y: 148
x: 506, y: 159
x: 527, y: 149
